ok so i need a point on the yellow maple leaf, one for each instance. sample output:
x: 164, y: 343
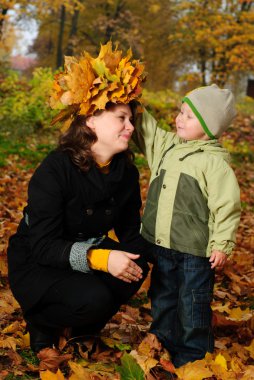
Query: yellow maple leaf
x: 67, y: 98
x: 250, y: 348
x: 249, y: 373
x: 91, y: 93
x: 23, y: 340
x: 240, y: 351
x: 145, y: 362
x: 66, y: 124
x: 111, y: 58
x: 133, y: 83
x: 64, y: 114
x: 221, y: 361
x: 48, y: 375
x: 208, y: 357
x: 79, y: 372
x: 89, y: 83
x: 79, y: 80
x: 3, y: 267
x: 9, y: 342
x: 236, y: 365
x: 221, y: 373
x: 103, y: 85
x: 221, y: 308
x: 128, y: 75
x: 139, y: 69
x: 84, y: 108
x: 88, y: 74
x: 12, y: 328
x: 194, y: 371
x: 98, y: 66
x: 69, y: 61
x: 6, y: 307
x: 238, y: 314
x: 113, y: 86
x: 144, y: 348
x: 100, y: 100
x: 125, y: 60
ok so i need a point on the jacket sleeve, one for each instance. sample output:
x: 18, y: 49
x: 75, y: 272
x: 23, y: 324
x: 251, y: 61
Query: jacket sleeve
x: 45, y: 220
x: 224, y: 204
x: 127, y: 228
x: 149, y: 137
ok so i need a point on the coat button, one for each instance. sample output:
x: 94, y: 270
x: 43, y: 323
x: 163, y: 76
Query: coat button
x: 108, y: 212
x: 164, y: 186
x: 158, y: 241
x: 89, y: 211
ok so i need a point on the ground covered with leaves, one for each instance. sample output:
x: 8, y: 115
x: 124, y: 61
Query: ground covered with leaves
x: 125, y: 349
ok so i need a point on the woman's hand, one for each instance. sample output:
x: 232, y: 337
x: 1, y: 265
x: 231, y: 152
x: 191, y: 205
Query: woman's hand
x: 122, y: 266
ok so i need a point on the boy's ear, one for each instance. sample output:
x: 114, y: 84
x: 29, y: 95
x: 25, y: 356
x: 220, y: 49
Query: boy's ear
x: 90, y: 122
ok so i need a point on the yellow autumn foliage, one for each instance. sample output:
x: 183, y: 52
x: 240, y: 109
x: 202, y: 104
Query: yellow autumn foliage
x: 87, y: 84
x: 220, y: 359
x: 78, y: 372
x: 48, y: 375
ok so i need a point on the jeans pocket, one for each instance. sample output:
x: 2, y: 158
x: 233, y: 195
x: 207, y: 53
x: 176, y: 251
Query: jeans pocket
x: 201, y: 308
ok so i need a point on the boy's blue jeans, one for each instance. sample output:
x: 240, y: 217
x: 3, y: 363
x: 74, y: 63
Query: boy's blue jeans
x: 181, y: 291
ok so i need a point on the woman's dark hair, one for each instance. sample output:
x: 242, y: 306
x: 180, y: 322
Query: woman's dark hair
x: 79, y: 138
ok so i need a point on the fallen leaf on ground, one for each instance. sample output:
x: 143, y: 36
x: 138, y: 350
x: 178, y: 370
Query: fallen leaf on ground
x: 50, y: 359
x: 48, y: 375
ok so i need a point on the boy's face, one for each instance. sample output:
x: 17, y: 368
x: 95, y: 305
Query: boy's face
x: 188, y: 126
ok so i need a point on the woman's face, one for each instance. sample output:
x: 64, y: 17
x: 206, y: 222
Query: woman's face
x: 113, y: 129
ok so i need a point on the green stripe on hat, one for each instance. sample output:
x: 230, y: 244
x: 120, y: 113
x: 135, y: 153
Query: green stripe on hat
x: 201, y: 120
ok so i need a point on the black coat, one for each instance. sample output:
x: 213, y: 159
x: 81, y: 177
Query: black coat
x: 66, y: 205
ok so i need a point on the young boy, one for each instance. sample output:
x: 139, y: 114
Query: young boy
x: 191, y: 216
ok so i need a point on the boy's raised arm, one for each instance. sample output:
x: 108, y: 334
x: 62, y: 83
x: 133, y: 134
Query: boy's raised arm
x: 148, y: 136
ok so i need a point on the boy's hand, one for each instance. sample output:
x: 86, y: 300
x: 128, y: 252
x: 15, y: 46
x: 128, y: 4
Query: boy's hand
x: 218, y: 259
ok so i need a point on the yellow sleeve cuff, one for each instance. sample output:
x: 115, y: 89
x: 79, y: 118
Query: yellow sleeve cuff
x: 98, y: 259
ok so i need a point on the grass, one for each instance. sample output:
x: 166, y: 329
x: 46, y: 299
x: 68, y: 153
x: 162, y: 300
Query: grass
x: 31, y: 152
x: 30, y: 357
x: 12, y: 376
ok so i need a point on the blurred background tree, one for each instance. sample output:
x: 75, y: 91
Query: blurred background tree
x: 183, y: 44
x: 211, y: 41
x: 217, y: 38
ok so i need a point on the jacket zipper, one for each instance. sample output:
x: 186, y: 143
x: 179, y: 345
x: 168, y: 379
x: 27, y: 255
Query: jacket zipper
x: 162, y: 158
x: 189, y: 154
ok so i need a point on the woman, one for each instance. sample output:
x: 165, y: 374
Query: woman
x: 63, y: 268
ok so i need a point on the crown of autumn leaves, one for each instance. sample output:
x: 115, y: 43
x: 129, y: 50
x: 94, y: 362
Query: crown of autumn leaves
x: 87, y: 84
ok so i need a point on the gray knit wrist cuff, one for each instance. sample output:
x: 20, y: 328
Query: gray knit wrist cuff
x: 78, y: 254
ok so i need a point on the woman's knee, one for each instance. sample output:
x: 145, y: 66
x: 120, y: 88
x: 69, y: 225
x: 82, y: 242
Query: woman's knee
x: 98, y: 306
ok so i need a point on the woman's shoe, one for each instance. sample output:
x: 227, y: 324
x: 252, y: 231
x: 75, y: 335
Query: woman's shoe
x: 41, y: 337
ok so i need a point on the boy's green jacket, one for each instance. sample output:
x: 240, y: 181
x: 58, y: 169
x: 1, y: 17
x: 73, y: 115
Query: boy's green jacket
x: 193, y: 202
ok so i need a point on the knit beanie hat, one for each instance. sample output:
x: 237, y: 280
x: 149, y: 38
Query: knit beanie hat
x: 214, y: 108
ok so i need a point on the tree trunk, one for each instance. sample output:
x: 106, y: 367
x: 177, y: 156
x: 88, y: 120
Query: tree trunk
x: 246, y: 6
x: 119, y: 7
x: 202, y: 55
x: 59, y: 57
x: 73, y: 33
x: 3, y: 14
